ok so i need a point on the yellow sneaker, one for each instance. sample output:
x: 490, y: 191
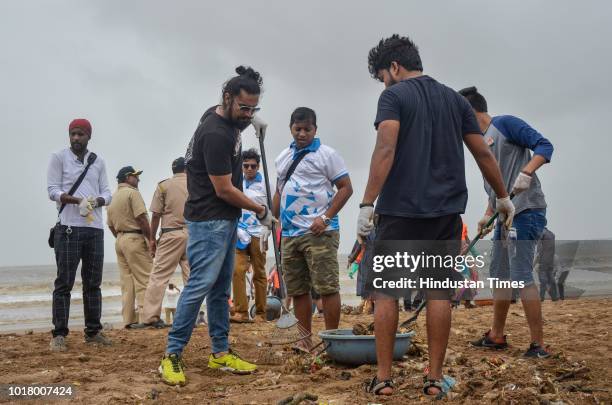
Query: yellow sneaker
x: 231, y: 362
x: 172, y: 370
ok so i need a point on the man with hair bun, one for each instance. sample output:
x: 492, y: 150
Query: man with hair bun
x: 215, y: 202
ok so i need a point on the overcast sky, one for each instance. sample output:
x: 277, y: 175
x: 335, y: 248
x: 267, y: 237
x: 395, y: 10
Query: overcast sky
x: 144, y: 71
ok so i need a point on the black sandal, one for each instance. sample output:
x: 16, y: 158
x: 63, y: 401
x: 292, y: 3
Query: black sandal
x: 435, y: 384
x: 485, y: 341
x: 374, y: 387
x: 444, y: 385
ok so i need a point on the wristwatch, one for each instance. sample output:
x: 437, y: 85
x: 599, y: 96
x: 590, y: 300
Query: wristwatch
x: 325, y: 219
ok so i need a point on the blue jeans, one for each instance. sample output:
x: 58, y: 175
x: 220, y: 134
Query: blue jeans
x: 518, y: 266
x: 210, y: 250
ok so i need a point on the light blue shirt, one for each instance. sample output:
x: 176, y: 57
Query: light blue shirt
x: 63, y: 171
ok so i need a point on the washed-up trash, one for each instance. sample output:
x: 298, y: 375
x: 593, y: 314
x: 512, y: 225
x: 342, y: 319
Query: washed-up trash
x: 153, y: 394
x: 298, y: 399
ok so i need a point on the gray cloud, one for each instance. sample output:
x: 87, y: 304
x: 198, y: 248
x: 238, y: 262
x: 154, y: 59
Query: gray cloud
x: 144, y: 71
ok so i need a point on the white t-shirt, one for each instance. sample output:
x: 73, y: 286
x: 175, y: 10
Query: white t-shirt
x: 249, y: 225
x: 310, y: 190
x: 171, y: 298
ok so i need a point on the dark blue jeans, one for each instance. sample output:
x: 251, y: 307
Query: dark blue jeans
x: 72, y: 246
x: 210, y: 250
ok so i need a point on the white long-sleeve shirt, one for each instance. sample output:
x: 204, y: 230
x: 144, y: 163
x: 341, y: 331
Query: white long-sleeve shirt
x: 64, y: 170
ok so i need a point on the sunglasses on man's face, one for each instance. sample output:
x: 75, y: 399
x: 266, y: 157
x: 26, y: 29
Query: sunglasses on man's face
x: 248, y: 108
x: 248, y: 166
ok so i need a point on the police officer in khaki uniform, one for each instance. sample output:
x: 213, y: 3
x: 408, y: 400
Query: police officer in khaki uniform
x: 171, y: 248
x: 129, y: 223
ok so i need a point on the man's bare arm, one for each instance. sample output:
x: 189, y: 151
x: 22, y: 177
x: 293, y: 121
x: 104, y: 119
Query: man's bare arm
x: 345, y: 190
x: 68, y: 199
x: 155, y: 218
x: 382, y: 159
x: 276, y: 205
x: 534, y: 164
x: 226, y: 191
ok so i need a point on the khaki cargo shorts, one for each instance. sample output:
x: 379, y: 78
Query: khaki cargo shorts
x: 311, y: 262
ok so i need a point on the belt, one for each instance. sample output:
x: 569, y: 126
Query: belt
x: 131, y: 231
x: 164, y: 230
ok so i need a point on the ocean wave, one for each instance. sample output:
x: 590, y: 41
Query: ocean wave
x: 48, y: 287
x: 29, y: 300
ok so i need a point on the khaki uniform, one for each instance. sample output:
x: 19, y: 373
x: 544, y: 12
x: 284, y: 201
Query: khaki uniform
x: 251, y: 256
x: 132, y: 250
x: 169, y: 201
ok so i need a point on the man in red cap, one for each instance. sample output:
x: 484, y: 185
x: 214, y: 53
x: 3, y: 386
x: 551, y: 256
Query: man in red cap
x: 79, y: 235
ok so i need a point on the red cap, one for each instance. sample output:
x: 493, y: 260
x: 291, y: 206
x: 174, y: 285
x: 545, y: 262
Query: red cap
x: 80, y: 123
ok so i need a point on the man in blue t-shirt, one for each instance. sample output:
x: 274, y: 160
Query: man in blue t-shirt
x: 512, y: 141
x: 417, y: 173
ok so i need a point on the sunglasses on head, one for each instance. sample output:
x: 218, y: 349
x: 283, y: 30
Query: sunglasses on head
x: 248, y: 108
x: 249, y: 166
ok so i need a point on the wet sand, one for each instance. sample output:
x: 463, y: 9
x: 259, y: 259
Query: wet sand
x: 579, y: 372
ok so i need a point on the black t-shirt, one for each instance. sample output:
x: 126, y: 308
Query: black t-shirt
x: 215, y: 149
x: 427, y: 179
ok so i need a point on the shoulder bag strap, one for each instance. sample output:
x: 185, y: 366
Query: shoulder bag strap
x: 294, y: 164
x: 90, y: 160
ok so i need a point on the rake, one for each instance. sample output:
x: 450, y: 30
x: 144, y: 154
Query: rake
x: 288, y: 329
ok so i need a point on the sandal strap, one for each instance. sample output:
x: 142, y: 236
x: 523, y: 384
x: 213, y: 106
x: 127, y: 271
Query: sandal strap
x: 429, y: 383
x: 444, y: 385
x: 376, y: 386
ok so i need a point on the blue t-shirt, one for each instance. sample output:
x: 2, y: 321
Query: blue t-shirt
x: 427, y: 179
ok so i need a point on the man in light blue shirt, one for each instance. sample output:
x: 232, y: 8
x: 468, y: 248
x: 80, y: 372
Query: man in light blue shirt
x: 79, y: 235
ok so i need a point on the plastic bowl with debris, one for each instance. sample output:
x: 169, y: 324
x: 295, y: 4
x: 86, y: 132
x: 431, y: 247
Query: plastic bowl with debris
x: 344, y: 347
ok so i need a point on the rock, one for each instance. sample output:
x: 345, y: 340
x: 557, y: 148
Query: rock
x: 345, y: 376
x: 496, y: 361
x: 491, y: 396
x: 83, y: 358
x: 153, y: 394
x: 29, y: 332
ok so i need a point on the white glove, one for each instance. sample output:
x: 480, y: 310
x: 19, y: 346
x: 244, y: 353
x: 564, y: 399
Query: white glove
x: 365, y: 224
x: 93, y: 201
x: 260, y: 127
x: 506, y: 210
x: 522, y: 183
x: 482, y: 228
x: 263, y: 240
x: 266, y: 219
x: 85, y: 207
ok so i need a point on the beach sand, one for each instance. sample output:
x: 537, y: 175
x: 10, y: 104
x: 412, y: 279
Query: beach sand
x: 579, y: 372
